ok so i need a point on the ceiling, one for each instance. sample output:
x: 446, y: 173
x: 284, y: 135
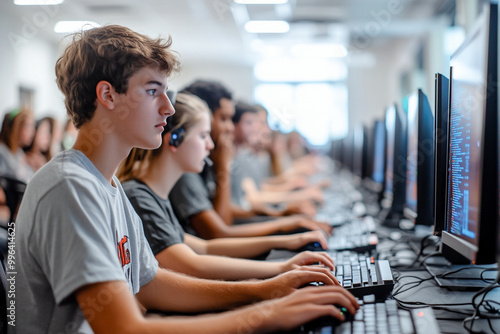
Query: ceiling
x: 214, y: 29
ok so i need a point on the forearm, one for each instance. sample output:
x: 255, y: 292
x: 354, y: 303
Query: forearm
x: 227, y: 268
x: 236, y: 321
x: 248, y: 247
x: 192, y: 295
x: 255, y: 229
x: 239, y: 212
x: 222, y: 200
x: 275, y: 197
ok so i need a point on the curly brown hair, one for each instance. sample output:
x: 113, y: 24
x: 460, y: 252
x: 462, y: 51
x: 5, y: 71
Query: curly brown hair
x: 112, y: 53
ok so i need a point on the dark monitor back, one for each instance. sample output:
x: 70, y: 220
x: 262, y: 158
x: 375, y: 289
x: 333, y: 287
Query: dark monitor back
x: 441, y: 84
x: 360, y: 151
x: 347, y: 148
x: 420, y: 160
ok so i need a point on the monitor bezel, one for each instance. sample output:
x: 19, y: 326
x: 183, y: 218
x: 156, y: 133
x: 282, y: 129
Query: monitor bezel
x: 425, y: 168
x: 441, y: 117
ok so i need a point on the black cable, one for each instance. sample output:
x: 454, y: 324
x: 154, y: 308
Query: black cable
x: 477, y: 309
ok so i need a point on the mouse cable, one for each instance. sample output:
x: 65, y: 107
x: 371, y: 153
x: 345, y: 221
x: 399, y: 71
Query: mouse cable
x: 488, y: 307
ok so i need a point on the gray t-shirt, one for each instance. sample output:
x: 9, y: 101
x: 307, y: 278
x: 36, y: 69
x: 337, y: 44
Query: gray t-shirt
x: 74, y: 229
x: 193, y: 194
x: 161, y: 227
x: 248, y: 164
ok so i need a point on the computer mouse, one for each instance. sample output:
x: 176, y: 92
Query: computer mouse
x: 312, y: 246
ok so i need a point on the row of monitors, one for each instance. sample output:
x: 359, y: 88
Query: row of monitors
x: 440, y: 167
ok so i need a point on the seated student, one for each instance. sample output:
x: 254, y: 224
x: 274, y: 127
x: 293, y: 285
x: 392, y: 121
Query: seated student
x: 18, y: 129
x: 39, y: 152
x: 83, y: 264
x: 251, y: 168
x: 152, y: 174
x: 202, y: 202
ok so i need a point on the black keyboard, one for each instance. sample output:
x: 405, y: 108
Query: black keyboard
x: 363, y: 275
x: 357, y: 235
x: 357, y: 243
x: 383, y: 317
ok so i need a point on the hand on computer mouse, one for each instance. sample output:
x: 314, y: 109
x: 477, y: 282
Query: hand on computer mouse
x: 308, y: 258
x: 299, y: 240
x: 311, y: 303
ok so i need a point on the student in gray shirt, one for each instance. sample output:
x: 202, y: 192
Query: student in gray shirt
x: 82, y: 262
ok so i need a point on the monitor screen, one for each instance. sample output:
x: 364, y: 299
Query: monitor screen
x: 440, y: 151
x: 473, y: 109
x: 412, y: 151
x: 378, y: 152
x: 419, y: 204
x: 357, y: 159
x: 390, y: 129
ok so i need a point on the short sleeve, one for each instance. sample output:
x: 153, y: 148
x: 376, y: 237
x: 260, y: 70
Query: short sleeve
x: 77, y: 234
x: 159, y: 230
x: 189, y: 197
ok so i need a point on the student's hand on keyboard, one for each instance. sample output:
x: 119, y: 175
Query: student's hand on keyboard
x: 308, y: 258
x: 286, y: 283
x: 311, y: 224
x: 315, y: 193
x: 310, y: 303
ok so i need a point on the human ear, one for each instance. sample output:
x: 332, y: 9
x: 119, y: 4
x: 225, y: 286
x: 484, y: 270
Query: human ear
x: 106, y: 94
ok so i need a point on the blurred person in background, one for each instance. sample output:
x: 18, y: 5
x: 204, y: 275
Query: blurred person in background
x: 39, y: 152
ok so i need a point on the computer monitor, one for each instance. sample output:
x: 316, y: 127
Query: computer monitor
x: 360, y: 151
x: 378, y: 153
x: 336, y: 150
x: 395, y: 171
x: 347, y: 154
x: 472, y: 187
x: 441, y: 85
x: 419, y: 203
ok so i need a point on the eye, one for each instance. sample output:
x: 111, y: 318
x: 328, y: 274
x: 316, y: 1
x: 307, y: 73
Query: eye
x: 151, y: 91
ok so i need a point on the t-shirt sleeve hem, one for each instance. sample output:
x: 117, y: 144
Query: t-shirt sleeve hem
x: 78, y: 282
x: 147, y: 278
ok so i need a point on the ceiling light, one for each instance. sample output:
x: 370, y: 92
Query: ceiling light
x: 261, y: 2
x: 74, y: 26
x: 37, y: 2
x: 319, y: 50
x: 267, y: 27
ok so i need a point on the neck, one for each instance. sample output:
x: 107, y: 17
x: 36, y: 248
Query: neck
x: 105, y: 151
x: 162, y: 174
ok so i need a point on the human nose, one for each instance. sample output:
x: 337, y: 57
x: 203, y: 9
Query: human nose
x: 210, y: 144
x: 166, y: 108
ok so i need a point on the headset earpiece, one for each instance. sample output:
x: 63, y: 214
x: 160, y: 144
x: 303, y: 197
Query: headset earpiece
x: 176, y: 137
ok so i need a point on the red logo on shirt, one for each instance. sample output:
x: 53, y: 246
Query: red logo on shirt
x: 123, y: 252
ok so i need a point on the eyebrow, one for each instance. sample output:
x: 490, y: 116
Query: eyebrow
x: 155, y: 82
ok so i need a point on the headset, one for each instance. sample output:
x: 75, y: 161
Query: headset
x: 176, y: 137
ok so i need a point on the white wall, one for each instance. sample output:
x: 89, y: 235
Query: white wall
x: 28, y: 60
x: 239, y: 79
